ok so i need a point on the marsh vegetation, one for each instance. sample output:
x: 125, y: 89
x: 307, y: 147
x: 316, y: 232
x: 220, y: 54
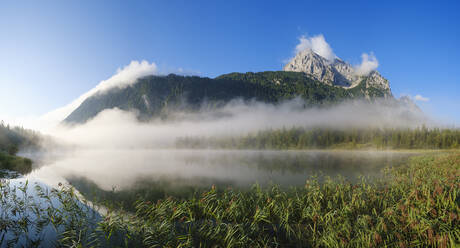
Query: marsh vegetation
x: 412, y: 205
x: 287, y: 197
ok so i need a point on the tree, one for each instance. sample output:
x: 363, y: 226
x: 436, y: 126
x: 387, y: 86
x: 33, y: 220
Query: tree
x: 13, y: 150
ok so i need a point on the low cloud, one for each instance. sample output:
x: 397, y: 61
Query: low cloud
x: 235, y: 119
x: 417, y: 97
x: 116, y: 141
x: 124, y: 77
x: 421, y: 98
x: 368, y: 64
x: 317, y: 44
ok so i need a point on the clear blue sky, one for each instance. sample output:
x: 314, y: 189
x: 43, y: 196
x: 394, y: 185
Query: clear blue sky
x: 53, y: 51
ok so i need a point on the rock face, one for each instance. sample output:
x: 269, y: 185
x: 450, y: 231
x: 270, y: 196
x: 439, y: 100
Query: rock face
x: 312, y: 64
x: 335, y: 73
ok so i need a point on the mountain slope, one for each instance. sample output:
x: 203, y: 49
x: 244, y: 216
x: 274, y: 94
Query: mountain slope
x: 156, y: 96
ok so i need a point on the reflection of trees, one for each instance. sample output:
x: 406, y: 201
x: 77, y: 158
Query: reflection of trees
x: 297, y: 161
x: 146, y: 188
x: 289, y: 168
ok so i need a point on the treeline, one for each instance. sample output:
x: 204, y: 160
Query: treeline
x: 14, y: 138
x: 318, y: 138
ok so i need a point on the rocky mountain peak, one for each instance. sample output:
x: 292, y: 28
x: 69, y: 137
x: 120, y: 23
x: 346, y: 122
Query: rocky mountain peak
x: 337, y: 73
x: 312, y: 64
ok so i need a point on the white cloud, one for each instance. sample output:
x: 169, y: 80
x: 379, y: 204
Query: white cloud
x: 417, y: 97
x: 317, y: 44
x: 421, y: 98
x: 368, y: 64
x: 236, y: 118
x: 115, y: 138
x: 124, y: 77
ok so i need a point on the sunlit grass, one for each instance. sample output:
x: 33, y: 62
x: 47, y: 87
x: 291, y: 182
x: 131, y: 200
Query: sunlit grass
x: 413, y: 205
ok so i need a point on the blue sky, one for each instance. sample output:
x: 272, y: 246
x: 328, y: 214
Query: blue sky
x: 53, y: 51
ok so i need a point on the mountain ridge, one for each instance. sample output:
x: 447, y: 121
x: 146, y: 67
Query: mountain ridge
x: 308, y: 75
x: 156, y: 96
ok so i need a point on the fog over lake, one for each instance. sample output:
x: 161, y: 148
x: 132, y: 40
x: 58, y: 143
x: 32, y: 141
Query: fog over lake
x: 123, y: 169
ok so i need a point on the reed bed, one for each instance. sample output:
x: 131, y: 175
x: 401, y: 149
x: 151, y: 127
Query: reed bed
x: 411, y: 206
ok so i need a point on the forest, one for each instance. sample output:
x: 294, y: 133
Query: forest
x: 14, y: 138
x: 323, y: 138
x: 156, y: 96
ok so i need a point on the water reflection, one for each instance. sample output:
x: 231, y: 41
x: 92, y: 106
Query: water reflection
x: 124, y: 168
x: 159, y: 173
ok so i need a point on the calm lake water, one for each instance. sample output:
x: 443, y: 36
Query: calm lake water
x: 159, y: 173
x: 120, y: 176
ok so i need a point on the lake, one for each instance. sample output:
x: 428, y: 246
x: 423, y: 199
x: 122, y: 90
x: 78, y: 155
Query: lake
x: 155, y: 174
x: 120, y: 177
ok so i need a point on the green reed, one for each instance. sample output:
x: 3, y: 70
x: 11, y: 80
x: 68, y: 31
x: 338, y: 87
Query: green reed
x: 411, y: 206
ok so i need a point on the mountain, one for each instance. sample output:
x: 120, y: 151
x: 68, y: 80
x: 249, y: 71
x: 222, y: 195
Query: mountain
x: 308, y: 75
x: 156, y: 96
x: 337, y: 72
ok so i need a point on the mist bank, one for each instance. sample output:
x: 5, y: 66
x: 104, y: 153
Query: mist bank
x: 119, y: 129
x: 118, y: 143
x: 126, y: 169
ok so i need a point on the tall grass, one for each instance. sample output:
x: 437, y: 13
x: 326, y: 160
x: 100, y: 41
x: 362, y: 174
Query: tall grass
x: 411, y: 206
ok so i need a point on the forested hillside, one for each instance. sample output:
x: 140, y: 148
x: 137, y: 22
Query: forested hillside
x: 158, y: 95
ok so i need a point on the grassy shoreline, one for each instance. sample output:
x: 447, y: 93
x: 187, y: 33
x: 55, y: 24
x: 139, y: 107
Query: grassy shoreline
x: 15, y: 163
x: 413, y: 205
x: 417, y: 205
